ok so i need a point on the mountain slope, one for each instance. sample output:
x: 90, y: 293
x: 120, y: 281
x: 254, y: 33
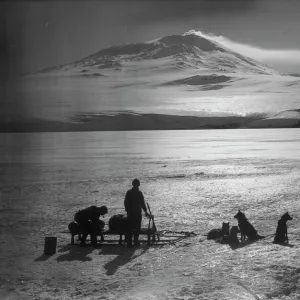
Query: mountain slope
x: 188, y: 51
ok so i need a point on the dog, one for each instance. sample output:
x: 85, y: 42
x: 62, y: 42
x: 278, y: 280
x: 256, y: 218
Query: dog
x: 281, y: 235
x: 246, y: 228
x: 218, y: 233
x: 75, y: 229
x: 119, y: 223
x: 232, y: 238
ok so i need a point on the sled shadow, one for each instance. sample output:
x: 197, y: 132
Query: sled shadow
x: 76, y: 253
x: 64, y: 248
x: 284, y: 244
x: 44, y: 257
x: 124, y: 256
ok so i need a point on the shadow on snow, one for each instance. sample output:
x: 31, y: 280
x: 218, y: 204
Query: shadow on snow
x: 124, y: 256
x: 75, y: 253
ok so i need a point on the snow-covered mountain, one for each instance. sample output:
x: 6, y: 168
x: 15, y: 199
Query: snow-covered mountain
x: 177, y: 75
x: 187, y: 51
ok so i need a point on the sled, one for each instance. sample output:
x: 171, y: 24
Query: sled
x: 154, y: 237
x: 151, y: 233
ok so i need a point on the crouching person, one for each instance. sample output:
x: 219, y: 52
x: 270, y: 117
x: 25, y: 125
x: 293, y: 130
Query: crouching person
x: 89, y: 222
x: 134, y: 203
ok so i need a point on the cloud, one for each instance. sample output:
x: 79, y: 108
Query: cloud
x: 284, y: 60
x: 176, y: 10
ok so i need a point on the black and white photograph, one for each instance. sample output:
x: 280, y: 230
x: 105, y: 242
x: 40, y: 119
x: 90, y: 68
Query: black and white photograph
x: 150, y: 150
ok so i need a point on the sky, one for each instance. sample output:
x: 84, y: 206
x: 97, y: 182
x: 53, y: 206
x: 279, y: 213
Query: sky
x: 40, y: 34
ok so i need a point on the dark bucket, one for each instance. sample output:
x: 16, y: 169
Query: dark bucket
x: 50, y: 245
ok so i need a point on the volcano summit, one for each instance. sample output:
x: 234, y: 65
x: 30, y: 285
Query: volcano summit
x: 169, y: 53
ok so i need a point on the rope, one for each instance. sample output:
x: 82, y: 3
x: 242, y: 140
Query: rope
x: 294, y: 233
x: 185, y: 233
x: 248, y: 290
x: 268, y: 236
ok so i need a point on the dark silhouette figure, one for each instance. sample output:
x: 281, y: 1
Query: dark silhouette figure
x: 246, y: 228
x: 134, y: 203
x: 89, y: 223
x: 281, y: 235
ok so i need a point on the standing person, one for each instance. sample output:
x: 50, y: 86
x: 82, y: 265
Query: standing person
x: 134, y: 203
x: 89, y: 222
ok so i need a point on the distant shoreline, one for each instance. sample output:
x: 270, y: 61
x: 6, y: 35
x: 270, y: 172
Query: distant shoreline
x: 139, y: 122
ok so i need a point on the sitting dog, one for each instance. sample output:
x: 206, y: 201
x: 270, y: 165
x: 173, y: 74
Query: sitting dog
x: 119, y: 224
x: 232, y: 238
x: 246, y: 228
x: 281, y: 235
x: 218, y: 233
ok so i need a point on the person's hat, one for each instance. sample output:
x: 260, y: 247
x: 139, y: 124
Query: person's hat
x: 136, y: 182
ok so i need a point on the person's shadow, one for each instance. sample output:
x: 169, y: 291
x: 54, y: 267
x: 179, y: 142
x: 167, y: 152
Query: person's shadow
x: 75, y: 252
x: 43, y: 257
x: 124, y: 255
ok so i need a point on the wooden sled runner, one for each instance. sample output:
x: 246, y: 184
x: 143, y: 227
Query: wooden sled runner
x: 154, y: 237
x: 151, y: 233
